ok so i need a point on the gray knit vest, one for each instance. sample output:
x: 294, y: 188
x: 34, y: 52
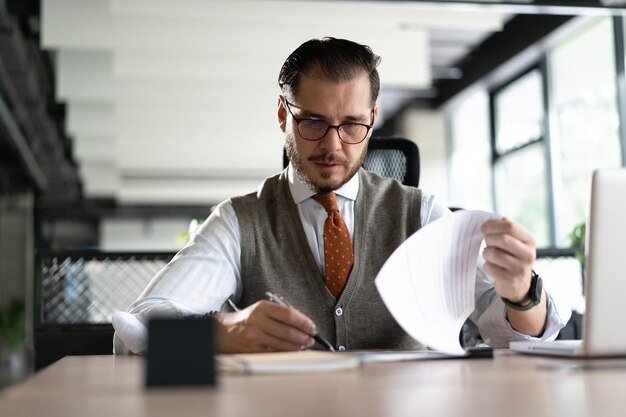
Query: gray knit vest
x: 276, y: 257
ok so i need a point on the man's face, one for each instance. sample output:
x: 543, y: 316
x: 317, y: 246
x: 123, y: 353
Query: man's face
x: 328, y: 163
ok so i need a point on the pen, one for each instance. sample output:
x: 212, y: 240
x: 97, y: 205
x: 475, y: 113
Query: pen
x: 281, y: 301
x: 232, y: 305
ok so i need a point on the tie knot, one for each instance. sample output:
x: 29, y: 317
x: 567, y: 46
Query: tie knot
x: 327, y: 200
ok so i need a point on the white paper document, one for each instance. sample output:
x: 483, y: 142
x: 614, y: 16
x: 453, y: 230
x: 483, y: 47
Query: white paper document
x: 428, y: 283
x: 287, y: 362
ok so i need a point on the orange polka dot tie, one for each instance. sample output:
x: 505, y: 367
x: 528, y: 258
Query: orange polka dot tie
x: 338, y: 254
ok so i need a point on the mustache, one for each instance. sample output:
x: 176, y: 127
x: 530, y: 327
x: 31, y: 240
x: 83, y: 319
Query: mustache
x: 328, y: 158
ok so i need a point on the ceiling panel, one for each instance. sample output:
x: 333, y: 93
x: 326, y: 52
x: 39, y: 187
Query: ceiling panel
x: 174, y: 101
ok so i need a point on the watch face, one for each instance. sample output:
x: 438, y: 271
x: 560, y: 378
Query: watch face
x: 536, y: 287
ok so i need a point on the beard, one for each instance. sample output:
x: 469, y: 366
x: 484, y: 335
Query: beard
x: 298, y: 166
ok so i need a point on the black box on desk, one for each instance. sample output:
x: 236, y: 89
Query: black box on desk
x: 181, y: 352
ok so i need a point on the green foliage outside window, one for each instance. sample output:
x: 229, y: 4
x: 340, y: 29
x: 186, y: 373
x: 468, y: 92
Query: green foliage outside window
x: 577, y: 241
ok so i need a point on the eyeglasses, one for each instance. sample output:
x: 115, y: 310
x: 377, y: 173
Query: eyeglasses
x: 314, y: 129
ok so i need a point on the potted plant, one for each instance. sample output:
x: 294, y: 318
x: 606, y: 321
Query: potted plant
x: 183, y: 237
x: 577, y: 241
x: 13, y: 358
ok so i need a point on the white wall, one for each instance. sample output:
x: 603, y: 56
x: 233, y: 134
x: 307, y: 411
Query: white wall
x: 157, y: 234
x: 427, y: 128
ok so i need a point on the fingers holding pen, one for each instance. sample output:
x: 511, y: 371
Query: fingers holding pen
x: 265, y: 326
x: 288, y: 324
x: 290, y: 317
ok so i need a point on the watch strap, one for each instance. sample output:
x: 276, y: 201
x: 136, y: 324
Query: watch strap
x: 536, y: 287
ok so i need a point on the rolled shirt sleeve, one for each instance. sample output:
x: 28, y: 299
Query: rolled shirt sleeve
x: 491, y: 318
x: 199, y: 279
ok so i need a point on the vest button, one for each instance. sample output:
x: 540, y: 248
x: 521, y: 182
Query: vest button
x: 339, y: 311
x: 341, y: 347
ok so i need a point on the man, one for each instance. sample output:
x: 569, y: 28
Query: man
x: 279, y: 239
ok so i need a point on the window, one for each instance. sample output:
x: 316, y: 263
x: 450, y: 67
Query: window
x: 552, y: 125
x: 519, y: 155
x: 521, y: 193
x: 470, y: 153
x: 583, y: 79
x: 519, y: 110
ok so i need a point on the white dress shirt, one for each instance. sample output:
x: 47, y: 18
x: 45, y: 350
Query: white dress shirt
x: 207, y: 272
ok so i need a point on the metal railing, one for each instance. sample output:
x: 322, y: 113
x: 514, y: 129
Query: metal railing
x: 87, y: 287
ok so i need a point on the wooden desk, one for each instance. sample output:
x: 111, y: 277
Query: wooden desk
x: 509, y: 385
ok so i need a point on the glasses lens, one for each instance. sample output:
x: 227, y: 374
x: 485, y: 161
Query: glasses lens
x: 352, y: 133
x: 312, y: 129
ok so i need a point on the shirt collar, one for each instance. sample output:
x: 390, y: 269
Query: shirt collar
x: 300, y: 192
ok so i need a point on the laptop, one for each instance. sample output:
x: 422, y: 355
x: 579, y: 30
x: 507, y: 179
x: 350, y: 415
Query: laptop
x: 604, y: 325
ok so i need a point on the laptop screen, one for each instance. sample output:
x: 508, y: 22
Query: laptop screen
x: 604, y: 329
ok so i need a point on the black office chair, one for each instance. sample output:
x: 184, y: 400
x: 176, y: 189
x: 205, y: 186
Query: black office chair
x: 397, y: 158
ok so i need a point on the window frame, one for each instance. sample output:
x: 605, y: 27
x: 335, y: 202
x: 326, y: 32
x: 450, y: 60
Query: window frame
x: 540, y: 67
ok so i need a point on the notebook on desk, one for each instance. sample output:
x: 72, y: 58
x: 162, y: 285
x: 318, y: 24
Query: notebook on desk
x: 604, y: 328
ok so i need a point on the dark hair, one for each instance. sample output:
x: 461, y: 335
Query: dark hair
x: 337, y: 59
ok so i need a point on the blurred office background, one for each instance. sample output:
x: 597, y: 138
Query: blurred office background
x: 123, y: 120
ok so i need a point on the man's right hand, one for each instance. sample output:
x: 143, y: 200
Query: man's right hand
x: 264, y: 327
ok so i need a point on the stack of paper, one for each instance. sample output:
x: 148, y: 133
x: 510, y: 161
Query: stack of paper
x: 428, y: 282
